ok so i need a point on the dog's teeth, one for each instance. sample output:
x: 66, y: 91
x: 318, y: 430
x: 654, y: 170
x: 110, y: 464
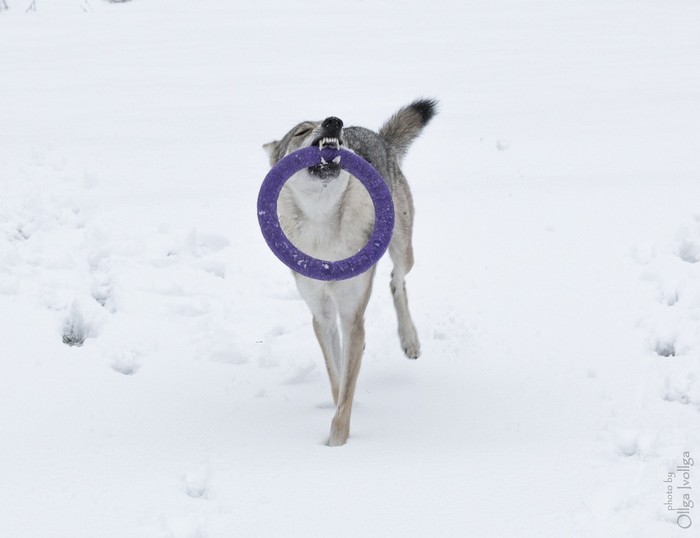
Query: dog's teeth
x: 323, y: 161
x: 337, y: 160
x: 330, y: 142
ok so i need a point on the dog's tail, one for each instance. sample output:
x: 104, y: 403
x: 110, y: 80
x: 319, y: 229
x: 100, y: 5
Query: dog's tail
x: 405, y: 126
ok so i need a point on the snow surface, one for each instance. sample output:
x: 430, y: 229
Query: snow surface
x: 556, y: 289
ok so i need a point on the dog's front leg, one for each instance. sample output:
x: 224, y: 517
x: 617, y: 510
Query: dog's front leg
x: 352, y: 302
x: 325, y: 325
x: 340, y: 427
x: 326, y: 330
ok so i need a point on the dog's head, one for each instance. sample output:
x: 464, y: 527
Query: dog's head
x: 326, y: 133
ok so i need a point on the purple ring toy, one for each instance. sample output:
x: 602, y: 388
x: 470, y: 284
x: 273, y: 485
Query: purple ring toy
x: 303, y: 263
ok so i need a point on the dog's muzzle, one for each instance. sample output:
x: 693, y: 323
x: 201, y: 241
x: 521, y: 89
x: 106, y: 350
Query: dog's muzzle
x: 331, y: 137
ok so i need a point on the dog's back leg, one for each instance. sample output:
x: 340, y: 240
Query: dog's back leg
x: 352, y: 299
x: 401, y: 253
x: 407, y: 330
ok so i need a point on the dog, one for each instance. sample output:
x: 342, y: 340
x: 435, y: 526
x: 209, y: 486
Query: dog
x: 327, y: 213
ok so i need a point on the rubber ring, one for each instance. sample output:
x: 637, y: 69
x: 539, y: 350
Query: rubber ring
x: 301, y: 262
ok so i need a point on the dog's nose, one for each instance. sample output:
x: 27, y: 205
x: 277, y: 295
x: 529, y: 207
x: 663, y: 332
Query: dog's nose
x: 332, y: 126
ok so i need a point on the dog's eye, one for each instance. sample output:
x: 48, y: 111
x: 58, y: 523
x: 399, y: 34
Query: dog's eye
x: 303, y: 131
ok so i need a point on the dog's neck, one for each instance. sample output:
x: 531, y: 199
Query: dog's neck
x: 317, y: 200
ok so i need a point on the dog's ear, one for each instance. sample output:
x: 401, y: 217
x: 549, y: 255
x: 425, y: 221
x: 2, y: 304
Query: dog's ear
x: 271, y: 148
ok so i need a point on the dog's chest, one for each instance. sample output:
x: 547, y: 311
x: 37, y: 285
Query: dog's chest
x: 329, y: 222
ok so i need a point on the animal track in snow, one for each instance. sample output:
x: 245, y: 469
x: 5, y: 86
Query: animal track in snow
x: 214, y: 267
x: 683, y: 389
x: 102, y: 288
x: 126, y: 363
x: 669, y: 297
x: 673, y: 314
x: 79, y: 325
x: 47, y: 244
x: 83, y: 321
x: 689, y: 250
x: 634, y: 443
x: 502, y: 145
x: 75, y: 332
x: 197, y: 482
x: 665, y: 348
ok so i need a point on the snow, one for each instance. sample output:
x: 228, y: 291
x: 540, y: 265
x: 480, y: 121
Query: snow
x: 556, y: 289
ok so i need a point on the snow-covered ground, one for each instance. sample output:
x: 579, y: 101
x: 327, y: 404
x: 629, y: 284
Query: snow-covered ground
x: 556, y: 289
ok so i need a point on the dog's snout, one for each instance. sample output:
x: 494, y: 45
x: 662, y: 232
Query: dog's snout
x: 330, y: 133
x: 332, y: 126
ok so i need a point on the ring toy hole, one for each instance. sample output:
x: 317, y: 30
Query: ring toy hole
x: 301, y: 262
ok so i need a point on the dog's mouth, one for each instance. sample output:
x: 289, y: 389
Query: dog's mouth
x: 327, y: 142
x: 326, y: 170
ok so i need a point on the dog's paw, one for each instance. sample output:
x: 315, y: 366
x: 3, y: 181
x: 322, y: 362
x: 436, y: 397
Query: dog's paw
x: 340, y: 431
x: 409, y: 338
x: 337, y: 440
x: 410, y: 345
x: 412, y: 352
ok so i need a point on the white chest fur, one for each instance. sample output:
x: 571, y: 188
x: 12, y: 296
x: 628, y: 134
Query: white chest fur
x: 329, y: 220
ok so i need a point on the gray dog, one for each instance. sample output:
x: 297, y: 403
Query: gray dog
x: 327, y: 213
